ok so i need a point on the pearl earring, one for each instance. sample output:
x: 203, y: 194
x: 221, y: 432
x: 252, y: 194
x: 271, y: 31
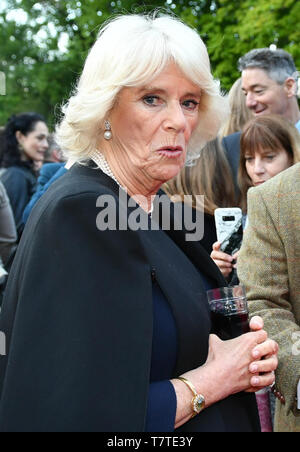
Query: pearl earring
x: 107, y: 133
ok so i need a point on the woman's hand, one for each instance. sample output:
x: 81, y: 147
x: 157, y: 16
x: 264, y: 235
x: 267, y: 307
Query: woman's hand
x: 224, y: 261
x: 240, y: 362
x: 264, y: 363
x: 246, y: 363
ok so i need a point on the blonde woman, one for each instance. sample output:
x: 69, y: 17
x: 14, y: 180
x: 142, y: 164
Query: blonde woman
x: 239, y: 112
x: 108, y: 328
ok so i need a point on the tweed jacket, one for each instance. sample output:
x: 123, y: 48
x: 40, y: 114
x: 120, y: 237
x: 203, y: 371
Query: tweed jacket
x: 269, y: 267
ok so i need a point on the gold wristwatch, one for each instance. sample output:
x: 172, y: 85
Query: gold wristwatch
x: 198, y: 401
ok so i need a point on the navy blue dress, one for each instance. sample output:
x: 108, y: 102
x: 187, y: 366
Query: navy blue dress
x: 162, y: 402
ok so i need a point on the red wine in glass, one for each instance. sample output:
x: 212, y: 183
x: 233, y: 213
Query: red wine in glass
x: 229, y: 311
x: 230, y: 326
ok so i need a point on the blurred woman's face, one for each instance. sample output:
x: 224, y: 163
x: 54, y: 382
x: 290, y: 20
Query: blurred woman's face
x: 265, y: 164
x: 35, y: 143
x: 151, y: 127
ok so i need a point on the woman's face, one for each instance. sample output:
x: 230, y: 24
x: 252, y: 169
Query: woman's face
x: 35, y: 143
x: 264, y: 164
x: 151, y: 127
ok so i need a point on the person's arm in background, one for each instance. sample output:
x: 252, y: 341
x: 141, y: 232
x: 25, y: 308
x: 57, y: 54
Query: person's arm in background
x: 263, y: 269
x: 41, y: 190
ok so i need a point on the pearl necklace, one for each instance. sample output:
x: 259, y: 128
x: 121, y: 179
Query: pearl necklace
x: 102, y: 163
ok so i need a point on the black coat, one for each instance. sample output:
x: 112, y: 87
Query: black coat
x: 78, y: 318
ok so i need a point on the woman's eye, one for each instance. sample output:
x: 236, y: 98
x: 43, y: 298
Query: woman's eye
x: 190, y: 104
x: 151, y: 100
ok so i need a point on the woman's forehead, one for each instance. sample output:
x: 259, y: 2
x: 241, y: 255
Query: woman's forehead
x: 170, y: 69
x: 263, y: 150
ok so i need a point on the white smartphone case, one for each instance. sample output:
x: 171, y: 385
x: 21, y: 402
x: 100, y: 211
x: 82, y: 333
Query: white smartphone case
x: 229, y: 228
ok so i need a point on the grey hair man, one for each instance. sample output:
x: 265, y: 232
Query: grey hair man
x: 269, y: 81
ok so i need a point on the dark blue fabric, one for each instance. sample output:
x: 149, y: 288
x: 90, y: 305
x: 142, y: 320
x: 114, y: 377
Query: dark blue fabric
x: 46, y: 172
x: 231, y: 145
x: 20, y: 184
x: 161, y: 410
x: 164, y: 343
x: 162, y: 402
x: 43, y: 188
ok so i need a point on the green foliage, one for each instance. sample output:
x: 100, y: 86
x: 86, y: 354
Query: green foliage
x: 40, y: 76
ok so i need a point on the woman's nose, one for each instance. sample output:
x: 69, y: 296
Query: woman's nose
x: 258, y: 166
x: 175, y: 119
x: 45, y: 144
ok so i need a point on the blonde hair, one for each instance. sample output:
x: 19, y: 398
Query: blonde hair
x: 240, y: 114
x: 209, y: 176
x: 267, y: 132
x: 130, y: 51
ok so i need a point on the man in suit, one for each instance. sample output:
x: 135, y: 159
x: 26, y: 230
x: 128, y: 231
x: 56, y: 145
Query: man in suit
x: 269, y: 267
x: 269, y: 81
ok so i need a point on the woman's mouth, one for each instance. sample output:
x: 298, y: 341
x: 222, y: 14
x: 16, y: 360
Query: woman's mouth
x: 171, y: 151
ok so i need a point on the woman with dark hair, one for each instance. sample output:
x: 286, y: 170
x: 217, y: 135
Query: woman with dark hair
x: 24, y: 143
x: 270, y: 144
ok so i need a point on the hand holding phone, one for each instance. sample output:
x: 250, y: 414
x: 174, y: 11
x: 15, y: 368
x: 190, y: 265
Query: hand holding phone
x: 224, y: 261
x: 229, y: 226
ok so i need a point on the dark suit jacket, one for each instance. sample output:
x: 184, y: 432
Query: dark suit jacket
x: 78, y: 318
x: 231, y: 144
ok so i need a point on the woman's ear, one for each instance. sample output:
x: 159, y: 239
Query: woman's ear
x: 19, y: 136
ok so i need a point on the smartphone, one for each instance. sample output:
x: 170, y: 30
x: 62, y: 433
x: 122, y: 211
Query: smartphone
x: 229, y: 226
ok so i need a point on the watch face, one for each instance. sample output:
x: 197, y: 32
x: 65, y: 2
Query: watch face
x: 198, y: 403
